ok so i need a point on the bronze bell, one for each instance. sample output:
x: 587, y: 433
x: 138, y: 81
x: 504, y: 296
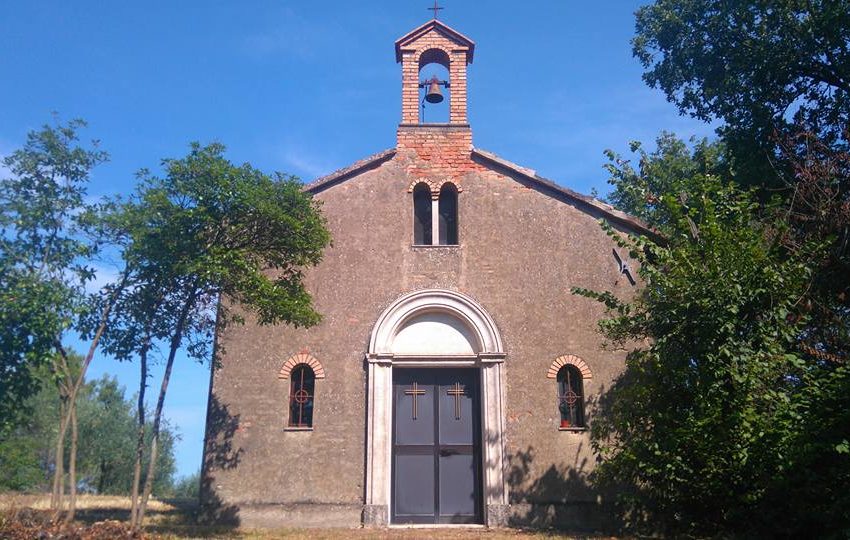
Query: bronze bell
x: 434, y: 95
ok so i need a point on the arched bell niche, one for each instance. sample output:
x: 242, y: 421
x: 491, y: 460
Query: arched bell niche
x: 434, y: 328
x: 434, y: 64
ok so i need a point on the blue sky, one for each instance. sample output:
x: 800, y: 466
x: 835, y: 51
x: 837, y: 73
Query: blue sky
x: 309, y: 87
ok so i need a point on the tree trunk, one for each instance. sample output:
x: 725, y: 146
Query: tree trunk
x: 72, y: 469
x: 75, y: 387
x: 149, y: 477
x: 58, y: 463
x: 101, y: 482
x: 140, y: 438
x: 176, y: 339
x: 63, y: 385
x: 155, y: 437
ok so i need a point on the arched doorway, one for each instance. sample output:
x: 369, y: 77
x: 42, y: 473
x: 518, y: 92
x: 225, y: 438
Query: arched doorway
x: 435, y: 335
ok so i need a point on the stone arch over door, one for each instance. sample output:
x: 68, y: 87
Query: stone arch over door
x: 434, y: 328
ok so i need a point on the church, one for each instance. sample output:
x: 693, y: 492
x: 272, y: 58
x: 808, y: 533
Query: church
x: 452, y: 378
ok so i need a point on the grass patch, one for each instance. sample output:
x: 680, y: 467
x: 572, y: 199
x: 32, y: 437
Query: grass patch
x: 102, y: 517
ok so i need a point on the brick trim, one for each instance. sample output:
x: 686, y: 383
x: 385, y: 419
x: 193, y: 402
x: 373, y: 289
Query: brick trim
x: 439, y: 186
x: 434, y: 185
x: 417, y: 56
x: 425, y: 181
x: 572, y: 360
x: 301, y: 358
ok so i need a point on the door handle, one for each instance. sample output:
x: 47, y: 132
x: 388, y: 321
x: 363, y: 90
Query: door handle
x: 448, y: 452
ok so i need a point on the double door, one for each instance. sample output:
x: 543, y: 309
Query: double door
x: 436, y: 457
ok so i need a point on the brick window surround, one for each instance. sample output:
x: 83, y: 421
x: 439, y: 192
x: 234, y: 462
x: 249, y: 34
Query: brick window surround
x: 572, y: 360
x: 580, y: 368
x: 301, y: 358
x: 435, y: 187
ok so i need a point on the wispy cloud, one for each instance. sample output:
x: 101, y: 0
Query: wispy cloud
x: 303, y: 163
x: 618, y: 116
x: 575, y: 132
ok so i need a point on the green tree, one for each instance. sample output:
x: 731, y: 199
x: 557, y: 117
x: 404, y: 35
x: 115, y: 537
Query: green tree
x: 757, y: 66
x: 43, y: 257
x: 209, y: 242
x: 776, y: 74
x: 671, y: 168
x: 47, y: 243
x: 26, y: 450
x: 107, y: 442
x: 721, y: 423
x: 188, y: 487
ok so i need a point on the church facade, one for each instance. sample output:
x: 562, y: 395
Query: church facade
x: 452, y: 376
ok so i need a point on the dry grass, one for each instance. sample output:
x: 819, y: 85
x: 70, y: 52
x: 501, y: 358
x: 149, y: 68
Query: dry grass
x: 175, y: 520
x: 84, y: 502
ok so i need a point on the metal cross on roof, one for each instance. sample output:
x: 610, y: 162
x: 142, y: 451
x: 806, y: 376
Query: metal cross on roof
x: 435, y: 9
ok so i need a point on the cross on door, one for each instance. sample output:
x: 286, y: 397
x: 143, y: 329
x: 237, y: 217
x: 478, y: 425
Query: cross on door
x: 414, y: 391
x: 457, y: 391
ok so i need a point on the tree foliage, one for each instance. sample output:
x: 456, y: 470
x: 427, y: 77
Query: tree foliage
x: 759, y: 67
x: 722, y: 422
x: 731, y: 417
x: 671, y: 168
x: 203, y: 246
x: 777, y: 77
x: 44, y: 255
x: 188, y: 487
x: 209, y: 242
x: 106, y: 449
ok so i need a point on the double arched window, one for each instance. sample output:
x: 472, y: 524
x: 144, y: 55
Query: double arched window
x: 448, y: 215
x: 422, y: 227
x: 302, y: 393
x: 571, y: 397
x: 427, y: 209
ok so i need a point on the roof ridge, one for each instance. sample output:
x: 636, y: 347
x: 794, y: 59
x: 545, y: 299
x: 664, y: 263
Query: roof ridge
x: 424, y: 28
x: 356, y: 167
x: 615, y: 215
x: 531, y: 175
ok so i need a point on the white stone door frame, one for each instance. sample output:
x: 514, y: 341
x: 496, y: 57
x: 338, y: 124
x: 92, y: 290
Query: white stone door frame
x: 488, y: 356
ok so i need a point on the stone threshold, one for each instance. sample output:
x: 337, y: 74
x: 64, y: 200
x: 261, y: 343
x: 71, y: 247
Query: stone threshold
x: 436, y: 526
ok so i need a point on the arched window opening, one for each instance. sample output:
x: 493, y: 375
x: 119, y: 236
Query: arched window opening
x: 434, y: 64
x: 571, y: 397
x: 302, y: 393
x: 422, y: 215
x: 448, y: 215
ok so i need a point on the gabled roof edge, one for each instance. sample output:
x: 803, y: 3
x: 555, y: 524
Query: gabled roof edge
x: 434, y: 23
x: 607, y: 210
x: 356, y: 167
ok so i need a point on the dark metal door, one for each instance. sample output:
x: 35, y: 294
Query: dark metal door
x: 436, y: 446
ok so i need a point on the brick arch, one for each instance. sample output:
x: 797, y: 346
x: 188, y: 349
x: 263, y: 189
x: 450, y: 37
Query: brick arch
x: 425, y: 181
x: 439, y: 185
x: 417, y: 56
x: 301, y: 358
x: 571, y: 360
x: 434, y: 185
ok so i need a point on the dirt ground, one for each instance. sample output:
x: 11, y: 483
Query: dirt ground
x: 176, y: 520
